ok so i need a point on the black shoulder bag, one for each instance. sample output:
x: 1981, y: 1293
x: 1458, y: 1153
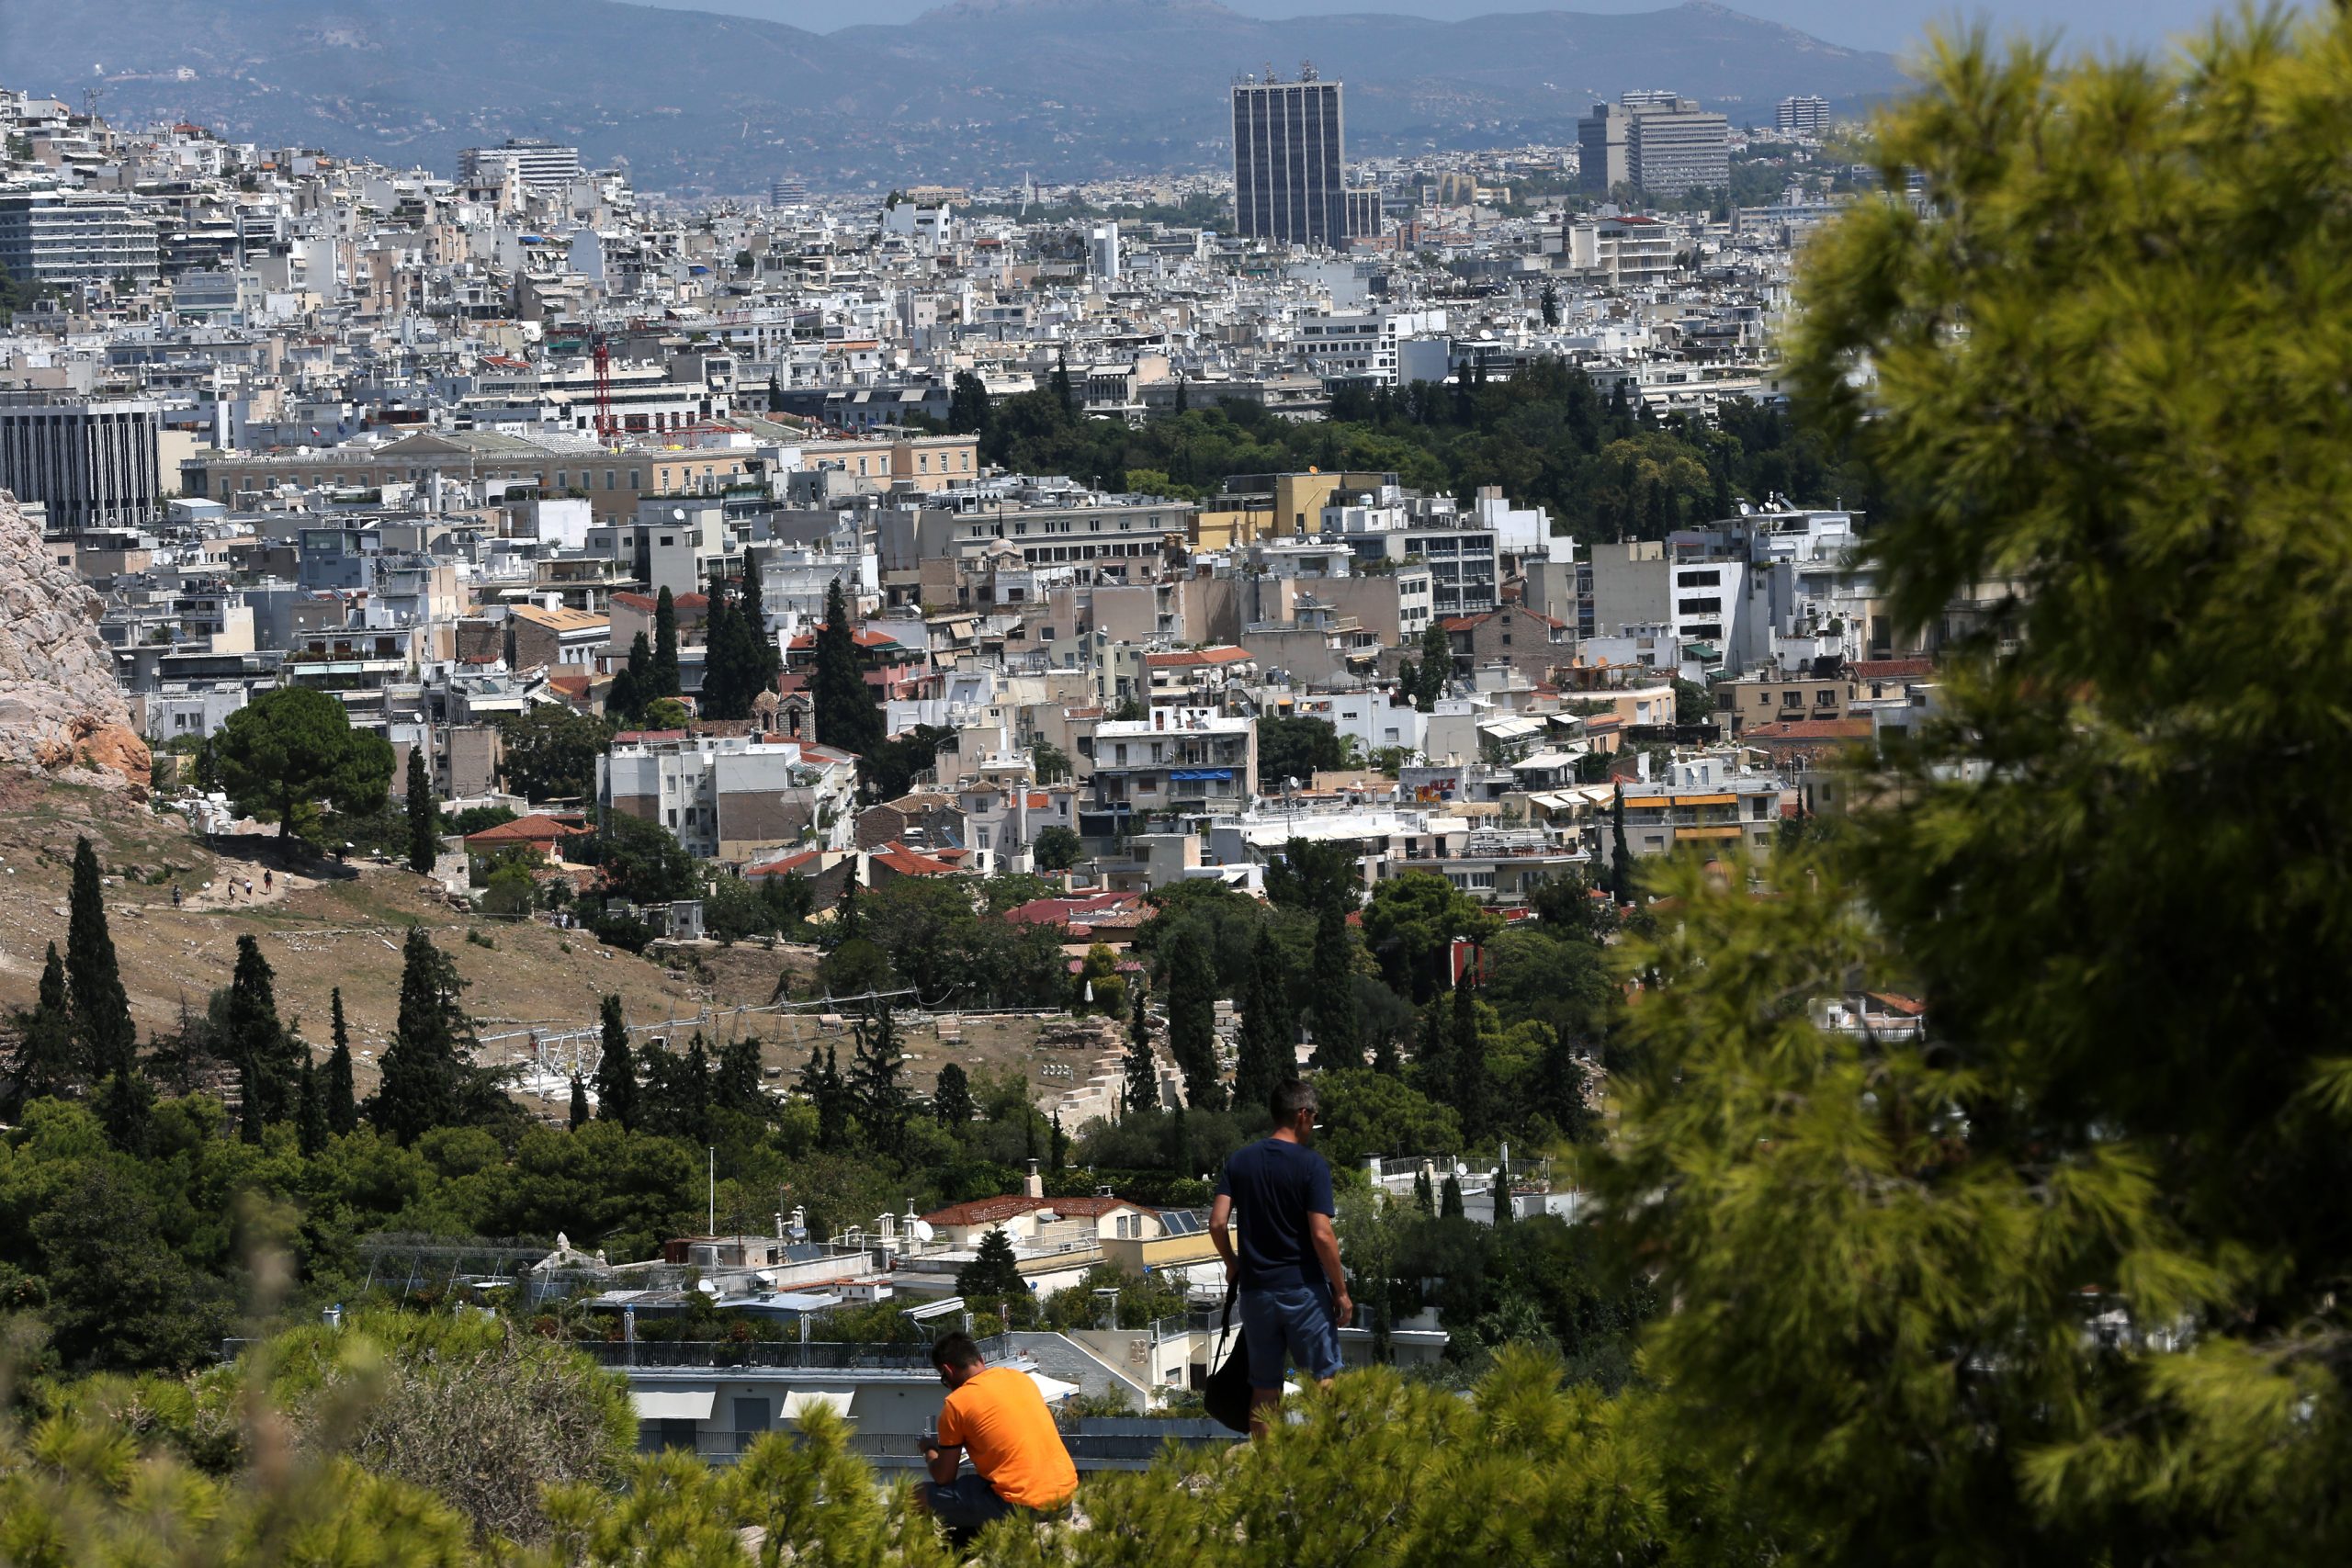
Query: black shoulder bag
x: 1226, y: 1394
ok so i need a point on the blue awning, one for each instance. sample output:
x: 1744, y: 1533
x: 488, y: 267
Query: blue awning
x: 1192, y: 775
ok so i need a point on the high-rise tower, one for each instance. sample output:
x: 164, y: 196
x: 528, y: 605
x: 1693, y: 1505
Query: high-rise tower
x: 1289, y: 161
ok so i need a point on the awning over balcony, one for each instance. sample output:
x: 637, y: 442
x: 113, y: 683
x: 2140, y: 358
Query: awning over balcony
x: 1196, y: 775
x: 673, y: 1403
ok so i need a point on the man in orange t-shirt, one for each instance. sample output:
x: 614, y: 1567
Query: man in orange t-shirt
x: 999, y: 1416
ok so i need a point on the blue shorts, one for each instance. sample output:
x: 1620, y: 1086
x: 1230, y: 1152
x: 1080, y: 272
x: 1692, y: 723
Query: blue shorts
x: 966, y: 1505
x: 1300, y: 1322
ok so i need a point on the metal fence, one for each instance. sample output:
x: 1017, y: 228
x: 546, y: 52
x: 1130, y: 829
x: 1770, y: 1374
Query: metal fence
x: 817, y: 1355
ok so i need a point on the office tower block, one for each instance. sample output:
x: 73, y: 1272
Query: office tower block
x: 1662, y: 145
x: 93, y: 461
x: 541, y: 166
x: 1289, y: 162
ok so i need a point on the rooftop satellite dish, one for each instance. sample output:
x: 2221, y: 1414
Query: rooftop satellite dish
x: 677, y: 514
x: 706, y: 1287
x: 923, y: 1232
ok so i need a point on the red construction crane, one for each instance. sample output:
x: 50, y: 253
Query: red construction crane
x: 608, y: 430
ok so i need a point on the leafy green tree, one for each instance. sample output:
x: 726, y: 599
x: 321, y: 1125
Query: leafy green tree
x: 1294, y: 748
x: 881, y: 1099
x: 1192, y: 1022
x: 101, y: 1009
x: 1057, y: 849
x: 888, y: 769
x: 424, y: 815
x: 1563, y: 984
x: 552, y: 750
x: 1331, y: 999
x: 287, y: 750
x: 2108, y: 1165
x: 951, y: 1098
x: 426, y: 1069
x: 662, y: 675
x: 340, y: 1098
x: 119, y: 1295
x: 46, y: 1062
x: 1267, y: 1052
x: 994, y: 1272
x: 1364, y: 1113
x: 846, y: 713
x: 269, y: 1059
x: 616, y: 1065
x: 1313, y: 875
x: 644, y: 863
x: 967, y: 404
x: 1411, y: 923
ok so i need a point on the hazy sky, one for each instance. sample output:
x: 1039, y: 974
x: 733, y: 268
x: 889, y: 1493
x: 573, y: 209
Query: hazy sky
x: 1880, y: 23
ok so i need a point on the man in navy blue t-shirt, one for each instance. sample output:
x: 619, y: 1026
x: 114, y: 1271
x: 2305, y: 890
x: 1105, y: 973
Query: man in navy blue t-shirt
x: 1294, y: 1295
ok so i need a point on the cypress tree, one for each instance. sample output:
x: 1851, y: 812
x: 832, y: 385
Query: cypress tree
x: 93, y: 977
x: 845, y: 907
x: 752, y: 615
x: 663, y: 677
x: 690, y: 1103
x: 309, y: 1109
x: 423, y: 843
x: 45, y: 1061
x: 1063, y: 394
x: 1192, y: 1021
x: 1142, y: 1092
x: 1184, y: 396
x: 1472, y: 1090
x: 579, y: 1104
x: 126, y: 1108
x: 1620, y: 859
x: 1268, y: 1053
x: 1449, y: 1199
x: 1332, y: 1005
x: 1057, y: 1146
x: 616, y: 1069
x: 737, y: 1087
x: 845, y: 712
x: 1423, y: 1199
x: 874, y: 1084
x: 1432, y: 1075
x: 994, y: 1272
x: 951, y: 1098
x: 342, y: 1102
x: 632, y: 686
x: 725, y: 694
x: 424, y: 1068
x: 266, y: 1057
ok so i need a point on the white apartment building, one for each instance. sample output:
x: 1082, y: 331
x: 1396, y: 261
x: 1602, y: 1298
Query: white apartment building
x: 731, y: 797
x: 1365, y: 345
x: 1190, y: 762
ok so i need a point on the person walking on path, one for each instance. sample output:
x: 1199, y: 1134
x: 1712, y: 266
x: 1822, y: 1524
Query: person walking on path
x: 1286, y: 1262
x: 998, y: 1415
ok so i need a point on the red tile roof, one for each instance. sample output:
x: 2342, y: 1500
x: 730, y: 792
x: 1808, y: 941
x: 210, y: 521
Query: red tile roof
x: 914, y: 863
x: 784, y: 866
x: 1891, y: 669
x: 996, y: 1210
x: 537, y: 829
x: 1086, y: 908
x: 1810, y: 729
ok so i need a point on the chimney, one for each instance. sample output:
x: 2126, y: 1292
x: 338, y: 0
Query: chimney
x: 1034, y: 1184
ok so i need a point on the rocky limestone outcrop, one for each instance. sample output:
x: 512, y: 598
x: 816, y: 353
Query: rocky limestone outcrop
x: 61, y: 708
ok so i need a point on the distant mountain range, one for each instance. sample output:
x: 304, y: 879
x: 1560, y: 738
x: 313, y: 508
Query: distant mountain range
x: 982, y: 91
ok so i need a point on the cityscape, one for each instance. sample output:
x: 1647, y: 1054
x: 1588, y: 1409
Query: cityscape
x: 1583, y: 809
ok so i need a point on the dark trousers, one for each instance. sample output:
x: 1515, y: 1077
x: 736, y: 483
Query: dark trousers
x: 967, y: 1504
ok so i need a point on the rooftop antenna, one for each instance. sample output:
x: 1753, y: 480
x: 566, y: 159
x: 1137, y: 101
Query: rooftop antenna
x: 1306, y: 70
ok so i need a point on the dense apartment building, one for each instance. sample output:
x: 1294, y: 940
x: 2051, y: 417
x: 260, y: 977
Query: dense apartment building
x: 729, y: 797
x: 1290, y: 163
x: 71, y: 238
x: 1188, y: 763
x: 1805, y: 114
